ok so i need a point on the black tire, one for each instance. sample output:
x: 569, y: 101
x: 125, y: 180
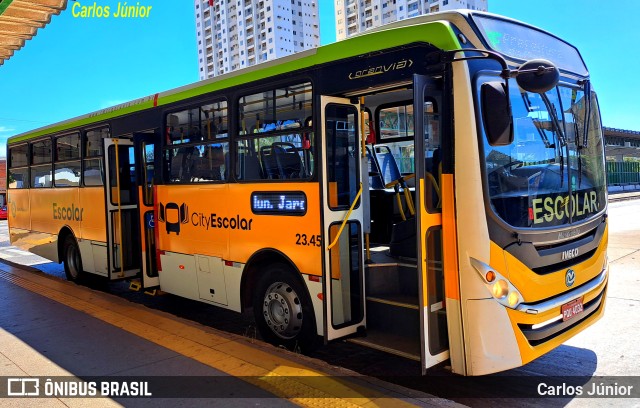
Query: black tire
x: 282, y: 310
x: 72, y: 260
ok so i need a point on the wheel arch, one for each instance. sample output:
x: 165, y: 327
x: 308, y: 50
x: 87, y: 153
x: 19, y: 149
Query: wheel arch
x: 62, y: 236
x: 259, y: 261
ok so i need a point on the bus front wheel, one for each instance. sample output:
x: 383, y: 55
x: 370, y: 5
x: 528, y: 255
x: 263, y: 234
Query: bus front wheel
x: 283, y: 312
x: 72, y: 259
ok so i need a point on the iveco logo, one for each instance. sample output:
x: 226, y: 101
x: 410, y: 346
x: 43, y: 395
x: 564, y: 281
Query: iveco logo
x: 569, y: 278
x: 570, y: 254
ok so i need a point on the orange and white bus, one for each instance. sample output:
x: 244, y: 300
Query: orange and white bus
x: 434, y: 189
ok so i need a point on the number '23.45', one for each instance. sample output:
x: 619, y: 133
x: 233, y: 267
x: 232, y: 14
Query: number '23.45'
x: 308, y: 240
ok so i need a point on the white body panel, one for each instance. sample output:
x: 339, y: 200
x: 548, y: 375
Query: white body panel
x: 491, y: 343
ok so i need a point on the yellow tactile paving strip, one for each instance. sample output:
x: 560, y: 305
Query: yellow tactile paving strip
x: 222, y: 352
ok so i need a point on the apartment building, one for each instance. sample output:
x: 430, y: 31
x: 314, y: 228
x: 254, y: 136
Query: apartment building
x: 234, y: 34
x: 356, y: 16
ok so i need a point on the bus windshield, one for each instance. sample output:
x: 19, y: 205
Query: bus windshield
x: 552, y: 174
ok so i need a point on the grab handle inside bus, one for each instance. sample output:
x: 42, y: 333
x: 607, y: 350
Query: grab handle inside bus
x: 346, y: 218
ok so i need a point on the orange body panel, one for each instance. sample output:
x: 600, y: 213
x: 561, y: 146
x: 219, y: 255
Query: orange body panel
x: 237, y: 233
x: 48, y: 210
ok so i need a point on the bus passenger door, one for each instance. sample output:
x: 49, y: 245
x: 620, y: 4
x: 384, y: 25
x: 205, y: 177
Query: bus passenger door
x: 430, y: 148
x: 145, y: 148
x: 343, y: 271
x: 123, y: 230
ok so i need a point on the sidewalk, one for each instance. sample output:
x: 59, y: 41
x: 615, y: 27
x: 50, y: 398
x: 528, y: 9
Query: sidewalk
x: 619, y: 195
x: 52, y: 328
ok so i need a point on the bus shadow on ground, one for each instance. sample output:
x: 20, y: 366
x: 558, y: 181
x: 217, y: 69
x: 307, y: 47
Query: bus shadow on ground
x: 530, y: 385
x: 527, y: 386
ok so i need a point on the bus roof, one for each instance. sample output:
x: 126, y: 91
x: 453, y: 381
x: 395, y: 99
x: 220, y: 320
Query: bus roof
x: 436, y: 30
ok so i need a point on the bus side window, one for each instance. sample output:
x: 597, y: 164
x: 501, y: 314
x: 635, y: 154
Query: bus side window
x: 93, y: 167
x: 196, y: 144
x: 276, y: 128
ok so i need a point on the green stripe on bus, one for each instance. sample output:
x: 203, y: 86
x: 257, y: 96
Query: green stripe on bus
x: 4, y: 4
x: 439, y: 33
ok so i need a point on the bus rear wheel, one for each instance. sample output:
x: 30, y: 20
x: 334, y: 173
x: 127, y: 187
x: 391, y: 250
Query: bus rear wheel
x: 283, y: 312
x: 72, y: 259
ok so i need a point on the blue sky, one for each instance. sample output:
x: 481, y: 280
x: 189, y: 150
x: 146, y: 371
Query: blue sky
x: 78, y: 65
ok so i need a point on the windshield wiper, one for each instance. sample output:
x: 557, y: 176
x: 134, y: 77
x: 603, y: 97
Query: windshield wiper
x: 552, y: 111
x: 587, y: 113
x: 543, y: 136
x: 559, y: 131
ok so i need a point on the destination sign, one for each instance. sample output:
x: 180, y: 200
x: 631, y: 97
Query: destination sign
x: 279, y: 203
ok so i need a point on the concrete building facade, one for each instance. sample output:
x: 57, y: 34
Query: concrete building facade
x: 357, y: 16
x: 234, y: 34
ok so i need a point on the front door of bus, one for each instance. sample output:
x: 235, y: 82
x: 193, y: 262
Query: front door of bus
x: 431, y: 145
x: 123, y: 237
x: 343, y: 272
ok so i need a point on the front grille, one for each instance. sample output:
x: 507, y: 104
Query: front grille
x: 543, y: 270
x: 541, y: 335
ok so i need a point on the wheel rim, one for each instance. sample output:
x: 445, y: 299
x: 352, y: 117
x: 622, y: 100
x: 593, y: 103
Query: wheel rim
x: 73, y: 261
x: 282, y: 310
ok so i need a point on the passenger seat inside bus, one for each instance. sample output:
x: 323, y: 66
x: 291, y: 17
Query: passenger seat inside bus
x: 248, y: 165
x: 288, y: 160
x: 281, y: 161
x: 269, y: 163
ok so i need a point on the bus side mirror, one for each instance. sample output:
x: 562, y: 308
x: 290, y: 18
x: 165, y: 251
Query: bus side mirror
x: 538, y: 76
x: 496, y: 113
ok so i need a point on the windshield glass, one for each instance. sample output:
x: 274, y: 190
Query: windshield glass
x: 553, y: 172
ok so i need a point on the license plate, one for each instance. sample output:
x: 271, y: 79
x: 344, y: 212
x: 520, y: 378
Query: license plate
x: 571, y: 309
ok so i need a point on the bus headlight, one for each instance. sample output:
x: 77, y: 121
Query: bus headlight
x: 513, y: 299
x: 500, y: 288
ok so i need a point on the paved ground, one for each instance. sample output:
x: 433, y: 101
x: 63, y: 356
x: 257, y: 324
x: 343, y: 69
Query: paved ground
x: 51, y: 328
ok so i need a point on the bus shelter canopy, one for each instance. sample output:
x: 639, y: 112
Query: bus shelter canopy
x: 20, y: 21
